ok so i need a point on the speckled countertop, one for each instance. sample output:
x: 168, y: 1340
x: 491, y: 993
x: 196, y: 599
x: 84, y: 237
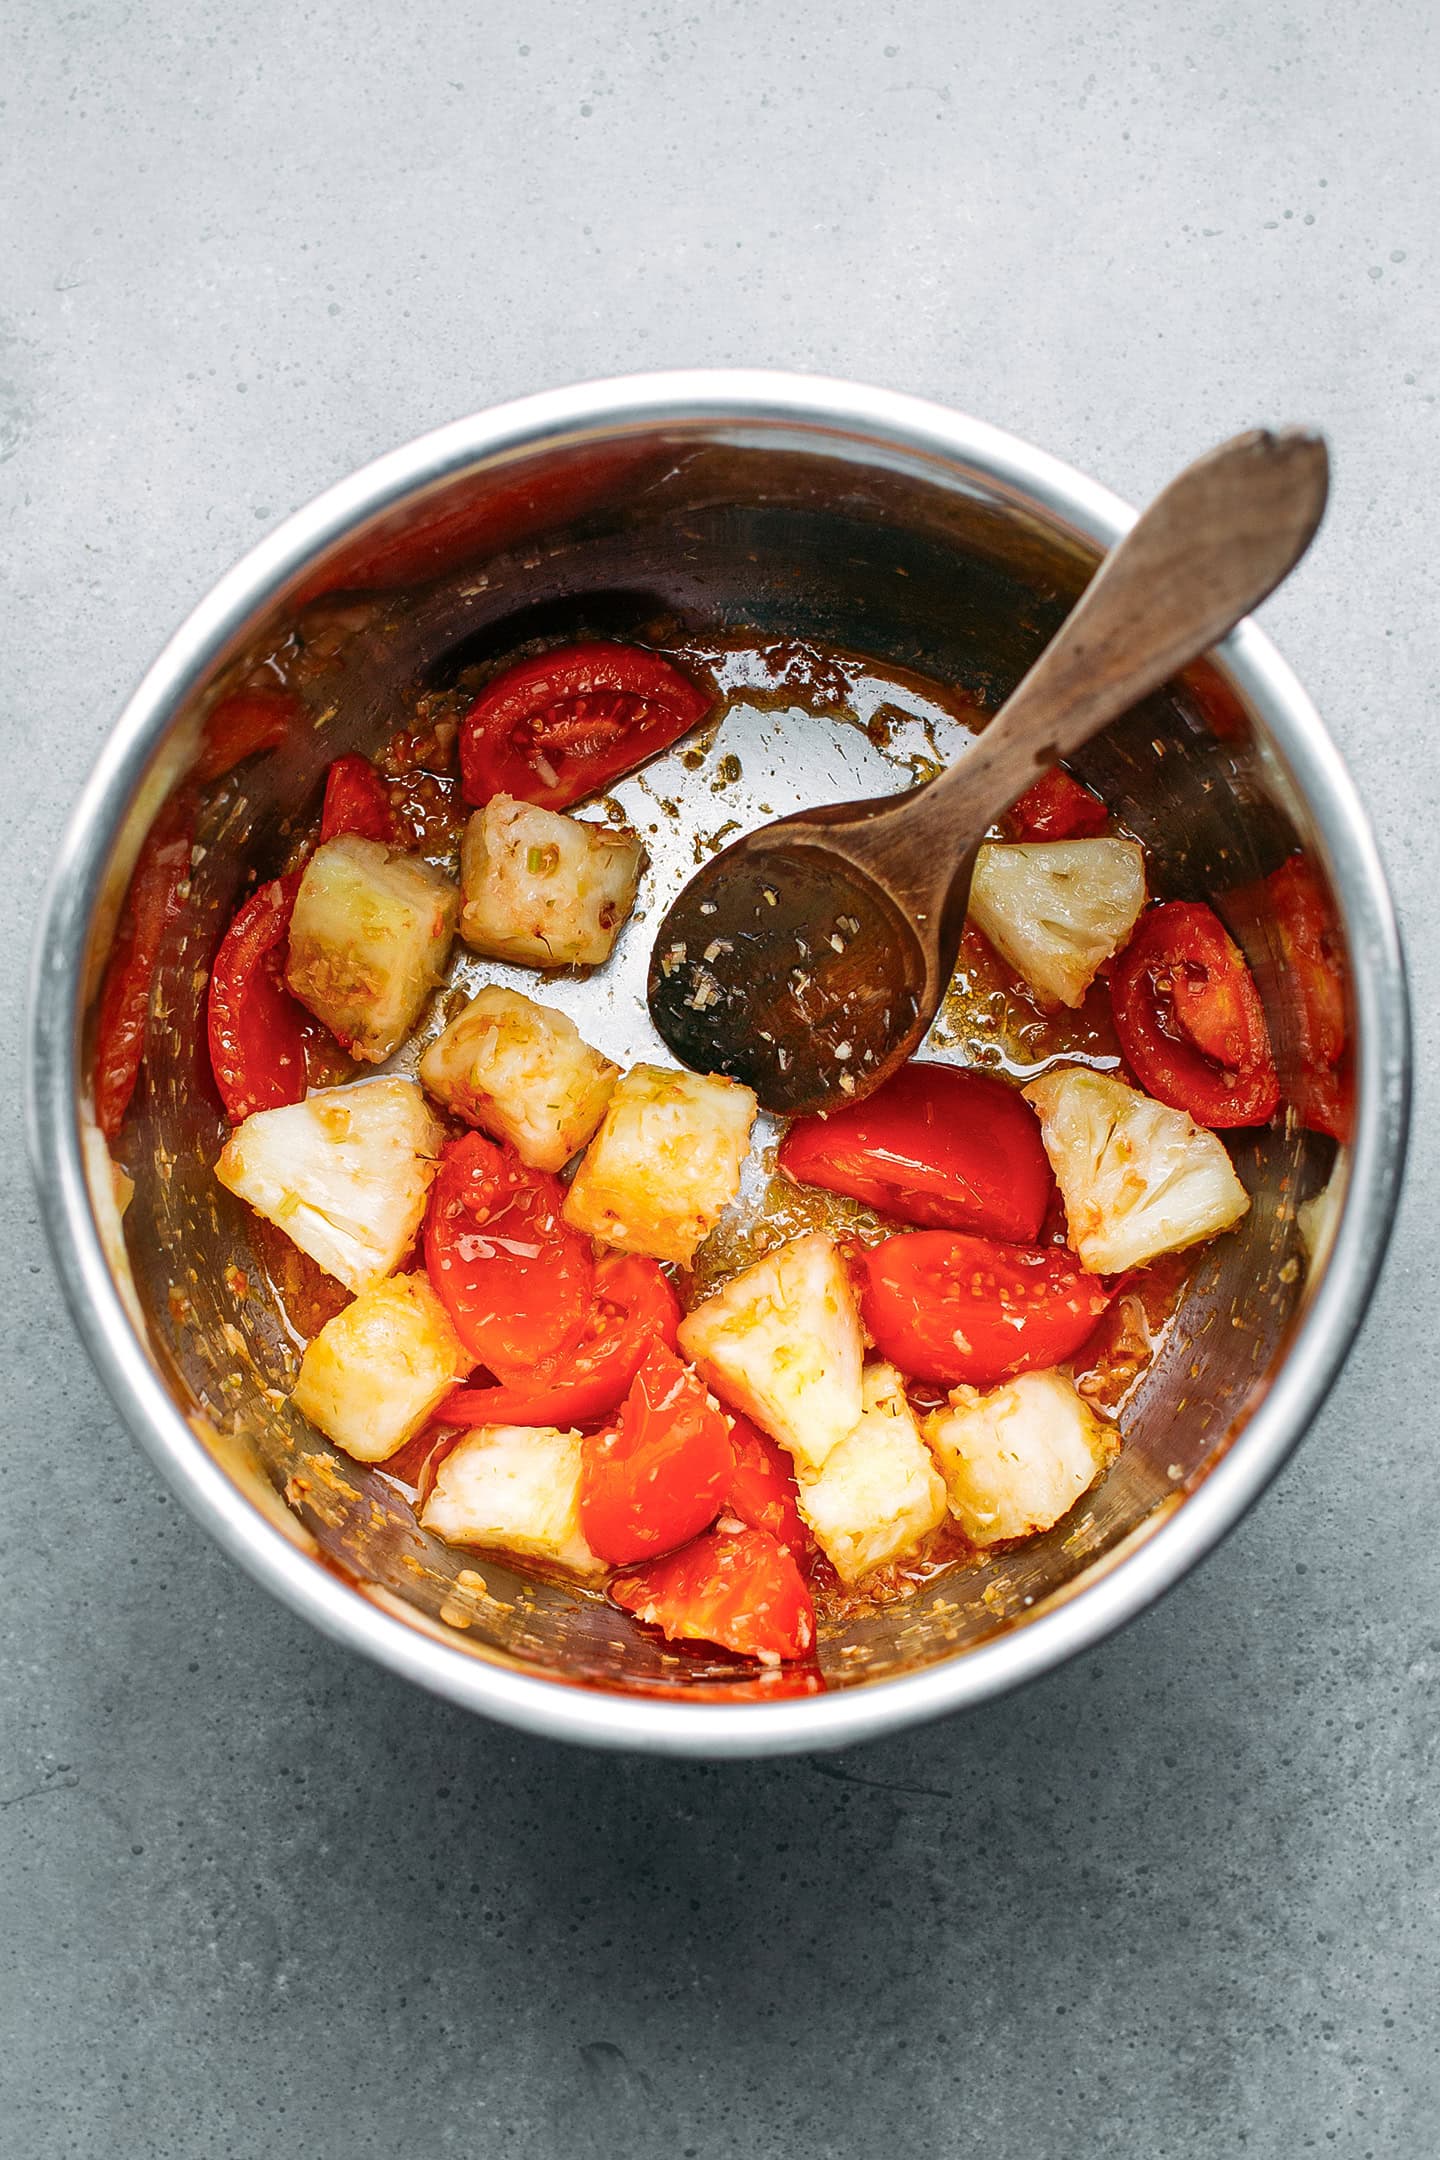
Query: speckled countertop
x: 256, y: 1898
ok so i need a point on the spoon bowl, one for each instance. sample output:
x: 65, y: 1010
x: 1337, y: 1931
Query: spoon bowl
x: 785, y: 965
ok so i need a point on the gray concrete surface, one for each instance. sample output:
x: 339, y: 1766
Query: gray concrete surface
x: 258, y: 1899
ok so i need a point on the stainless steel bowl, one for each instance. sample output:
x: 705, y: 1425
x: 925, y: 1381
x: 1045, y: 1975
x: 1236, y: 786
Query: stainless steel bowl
x: 802, y: 506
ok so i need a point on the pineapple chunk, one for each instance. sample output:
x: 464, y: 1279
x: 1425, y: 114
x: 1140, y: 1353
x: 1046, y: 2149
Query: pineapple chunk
x: 1014, y: 1461
x: 344, y: 1174
x: 543, y: 889
x: 376, y: 1371
x: 1136, y: 1177
x: 521, y: 1072
x: 665, y: 1162
x: 879, y: 1492
x: 369, y: 941
x: 516, y: 1487
x: 1055, y: 909
x: 781, y: 1341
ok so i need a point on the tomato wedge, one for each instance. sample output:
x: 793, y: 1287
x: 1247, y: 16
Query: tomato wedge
x: 634, y: 1306
x: 1324, y: 1089
x: 356, y: 801
x: 762, y: 1489
x: 517, y: 1282
x: 950, y: 1308
x: 258, y: 1032
x: 1057, y: 807
x: 936, y: 1145
x: 151, y: 903
x: 568, y: 723
x: 737, y: 1588
x: 658, y: 1476
x: 241, y: 726
x: 1189, y: 1018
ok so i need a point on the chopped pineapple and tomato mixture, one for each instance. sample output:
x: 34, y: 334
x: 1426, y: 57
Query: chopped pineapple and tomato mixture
x: 516, y: 1217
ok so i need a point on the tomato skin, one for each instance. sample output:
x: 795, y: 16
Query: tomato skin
x: 762, y: 1489
x: 634, y: 1306
x: 737, y: 1588
x: 1190, y: 1021
x: 1058, y: 807
x: 517, y: 1282
x: 152, y: 901
x: 657, y: 1477
x: 566, y: 724
x: 258, y: 1033
x: 241, y: 726
x: 1324, y: 1090
x: 1015, y: 1308
x: 356, y: 801
x: 936, y: 1145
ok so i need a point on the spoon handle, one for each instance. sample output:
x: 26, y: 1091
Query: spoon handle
x: 1206, y: 551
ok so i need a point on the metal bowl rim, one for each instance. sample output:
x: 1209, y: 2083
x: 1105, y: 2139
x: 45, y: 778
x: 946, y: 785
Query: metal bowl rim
x: 824, y: 408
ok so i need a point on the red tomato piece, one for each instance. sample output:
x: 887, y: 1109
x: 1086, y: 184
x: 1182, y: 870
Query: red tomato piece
x: 517, y: 1282
x: 762, y: 1489
x: 658, y: 1476
x: 935, y: 1145
x: 634, y: 1306
x: 1058, y: 807
x: 356, y: 801
x: 151, y: 903
x: 737, y: 1588
x: 259, y: 1034
x: 1189, y: 1018
x: 568, y: 723
x: 1313, y: 977
x: 951, y: 1308
x: 241, y: 726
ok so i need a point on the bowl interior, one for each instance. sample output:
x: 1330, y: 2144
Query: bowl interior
x: 710, y: 528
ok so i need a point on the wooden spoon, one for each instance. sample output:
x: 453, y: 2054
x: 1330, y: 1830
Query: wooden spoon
x: 808, y: 959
